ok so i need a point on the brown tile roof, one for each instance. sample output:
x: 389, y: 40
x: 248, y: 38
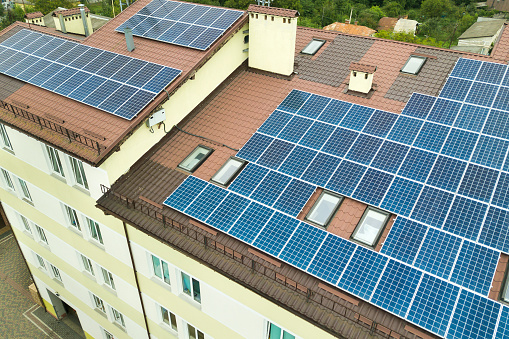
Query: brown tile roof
x: 34, y: 15
x: 350, y: 29
x: 355, y: 66
x: 71, y: 11
x: 387, y: 23
x: 289, y: 13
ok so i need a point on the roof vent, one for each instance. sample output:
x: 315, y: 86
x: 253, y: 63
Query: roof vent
x: 128, y: 32
x: 84, y: 19
x: 361, y: 77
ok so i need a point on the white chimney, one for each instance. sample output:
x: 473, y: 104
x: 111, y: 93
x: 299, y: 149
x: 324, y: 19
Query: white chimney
x: 84, y: 19
x: 361, y: 77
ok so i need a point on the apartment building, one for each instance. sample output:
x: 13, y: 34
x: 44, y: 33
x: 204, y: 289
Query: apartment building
x: 264, y: 180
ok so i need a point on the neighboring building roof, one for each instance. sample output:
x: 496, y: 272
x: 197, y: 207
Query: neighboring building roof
x: 350, y: 29
x: 289, y: 13
x: 483, y: 29
x: 470, y: 49
x: 34, y: 15
x: 386, y: 23
x: 406, y: 25
x: 68, y: 12
x: 355, y: 66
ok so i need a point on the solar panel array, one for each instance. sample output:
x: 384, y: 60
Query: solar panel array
x: 180, y: 23
x: 111, y: 82
x: 428, y: 165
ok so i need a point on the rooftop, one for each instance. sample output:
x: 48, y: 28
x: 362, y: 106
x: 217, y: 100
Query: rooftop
x: 350, y: 29
x: 70, y: 11
x: 482, y: 29
x: 34, y: 15
x: 289, y: 13
x: 387, y: 23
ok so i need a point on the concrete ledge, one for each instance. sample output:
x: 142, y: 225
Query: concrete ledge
x: 264, y: 257
x: 337, y: 293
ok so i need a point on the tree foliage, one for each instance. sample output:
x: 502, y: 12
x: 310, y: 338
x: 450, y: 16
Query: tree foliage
x: 11, y: 15
x: 46, y: 6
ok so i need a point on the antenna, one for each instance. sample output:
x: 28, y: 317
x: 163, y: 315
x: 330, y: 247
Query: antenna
x: 263, y: 2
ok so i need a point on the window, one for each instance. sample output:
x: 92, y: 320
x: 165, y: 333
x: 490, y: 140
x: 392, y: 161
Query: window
x: 42, y: 235
x: 275, y: 332
x: 7, y: 178
x: 169, y: 318
x: 191, y: 287
x: 228, y: 171
x: 40, y: 260
x: 72, y: 217
x: 195, y: 159
x: 6, y: 143
x: 79, y: 172
x: 24, y: 190
x: 108, y: 278
x: 414, y: 64
x: 161, y: 269
x: 370, y: 227
x: 108, y: 335
x: 87, y: 264
x: 56, y: 272
x: 194, y: 333
x: 54, y: 159
x: 98, y: 303
x: 313, y: 47
x: 324, y: 208
x: 118, y: 317
x: 26, y: 224
x: 95, y: 231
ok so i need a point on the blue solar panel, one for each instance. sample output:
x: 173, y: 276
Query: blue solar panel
x: 490, y: 152
x: 466, y: 68
x: 313, y: 106
x: 364, y: 149
x: 275, y: 234
x: 357, y: 117
x: 131, y: 68
x: 482, y: 94
x: 335, y: 112
x: 419, y: 106
x: 149, y: 71
x: 96, y: 97
x: 502, y: 99
x: 495, y: 232
x: 121, y: 95
x: 275, y: 154
x: 373, y: 186
x: 390, y: 156
x: 417, y: 164
x: 447, y: 173
x: 346, y: 177
x: 497, y: 124
x: 460, y: 144
x: 491, y: 72
x: 303, y: 245
x: 297, y: 162
x: 35, y: 69
x: 254, y: 147
x: 275, y: 123
x: 438, y: 253
x: 135, y: 104
x: 405, y: 130
x: 455, y: 89
x: 432, y: 137
x: 62, y: 76
x: 402, y: 196
x: 321, y: 169
x: 475, y: 267
x: 294, y: 101
x: 270, y: 188
x: 340, y: 142
x: 317, y: 135
x: 396, y: 288
x: 465, y: 217
x: 294, y: 197
x: 211, y: 16
x: 479, y: 182
x: 444, y: 111
x: 248, y: 179
x: 362, y: 273
x: 185, y: 193
x: 227, y: 212
x: 157, y: 29
x: 206, y: 202
x: 433, y: 304
x: 471, y: 117
x: 380, y: 123
x: 474, y: 317
x: 404, y: 240
x: 251, y: 222
x: 331, y: 259
x: 295, y: 129
x: 503, y: 325
x: 432, y: 206
x: 501, y: 196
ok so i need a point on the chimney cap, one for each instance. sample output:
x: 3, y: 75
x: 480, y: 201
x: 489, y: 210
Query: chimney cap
x: 72, y: 11
x: 283, y: 12
x: 356, y: 66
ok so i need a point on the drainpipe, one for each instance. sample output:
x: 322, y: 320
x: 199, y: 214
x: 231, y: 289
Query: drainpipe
x: 84, y: 19
x: 62, y: 23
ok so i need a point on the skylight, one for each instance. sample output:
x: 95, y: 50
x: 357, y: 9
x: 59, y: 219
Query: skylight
x: 324, y: 208
x: 313, y: 47
x: 413, y: 64
x: 228, y: 171
x: 371, y: 225
x: 195, y: 159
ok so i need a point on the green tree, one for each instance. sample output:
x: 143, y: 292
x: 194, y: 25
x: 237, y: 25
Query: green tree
x: 370, y: 17
x: 46, y: 6
x: 12, y: 15
x: 239, y: 4
x: 436, y: 8
x: 393, y: 9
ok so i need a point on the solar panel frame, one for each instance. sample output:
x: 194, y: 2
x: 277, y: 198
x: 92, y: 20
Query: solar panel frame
x: 278, y: 230
x: 357, y: 117
x: 460, y: 144
x: 275, y: 154
x: 432, y: 206
x: 302, y: 246
x: 490, y: 152
x: 465, y: 217
x: 491, y: 72
x: 270, y: 188
x: 466, y: 68
x: 251, y: 222
x: 182, y: 197
x: 373, y: 186
x: 297, y: 161
x: 228, y: 211
x: 405, y: 130
x: 495, y: 230
x: 340, y: 142
x: 321, y: 169
x: 206, y: 202
x: 444, y: 111
x: 419, y: 105
x: 456, y: 89
x: 364, y: 149
x: 294, y: 197
x: 432, y: 137
x: 471, y: 117
x: 402, y: 196
x: 404, y: 240
x: 447, y: 173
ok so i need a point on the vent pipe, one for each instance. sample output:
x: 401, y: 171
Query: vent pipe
x: 62, y: 23
x: 84, y: 18
x: 129, y: 39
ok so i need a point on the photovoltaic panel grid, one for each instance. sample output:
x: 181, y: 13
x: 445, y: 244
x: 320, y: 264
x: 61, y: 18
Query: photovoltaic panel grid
x: 180, y: 23
x: 111, y: 82
x: 436, y: 266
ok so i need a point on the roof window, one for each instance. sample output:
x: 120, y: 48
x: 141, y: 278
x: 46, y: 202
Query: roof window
x: 195, y: 159
x: 414, y: 64
x: 228, y: 171
x: 324, y: 208
x: 370, y: 227
x: 313, y: 47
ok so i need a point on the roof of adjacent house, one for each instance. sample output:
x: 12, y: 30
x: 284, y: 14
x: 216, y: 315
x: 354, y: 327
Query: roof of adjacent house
x: 34, y: 15
x: 70, y: 11
x: 387, y: 23
x: 289, y: 13
x: 350, y: 29
x: 483, y: 29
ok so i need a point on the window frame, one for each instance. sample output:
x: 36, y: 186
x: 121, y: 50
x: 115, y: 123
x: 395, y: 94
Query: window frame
x: 25, y: 192
x: 5, y: 140
x: 199, y: 163
x: 70, y: 213
x: 172, y: 318
x: 322, y: 41
x: 98, y: 303
x: 108, y: 335
x: 116, y: 316
x: 191, y: 293
x: 333, y: 212
x: 94, y: 230
x: 233, y: 175
x: 380, y: 231
x: 55, y: 272
x: 8, y: 180
x: 40, y: 261
x: 54, y: 161
x: 79, y: 176
x: 108, y: 278
x: 41, y: 234
x: 26, y: 224
x: 197, y: 333
x: 282, y: 334
x: 162, y: 267
x: 408, y: 61
x: 87, y: 265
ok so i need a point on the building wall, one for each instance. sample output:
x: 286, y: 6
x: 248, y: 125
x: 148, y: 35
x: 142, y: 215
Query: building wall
x: 74, y: 24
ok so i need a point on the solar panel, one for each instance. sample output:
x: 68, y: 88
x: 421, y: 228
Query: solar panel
x: 446, y: 173
x: 503, y: 325
x: 294, y: 101
x: 364, y: 149
x: 313, y: 106
x: 275, y: 123
x: 270, y: 188
x: 490, y: 152
x: 206, y: 202
x: 466, y: 68
x: 497, y: 124
x: 185, y: 193
x: 444, y: 111
x: 340, y: 142
x: 432, y: 137
x: 254, y: 147
x: 251, y: 222
x: 482, y: 94
x: 460, y: 144
x: 228, y: 212
x: 334, y: 112
x: 495, y: 231
x: 193, y: 27
x: 275, y: 154
x: 297, y: 162
x: 390, y: 156
x: 465, y: 217
x: 357, y: 117
x: 405, y: 130
x: 303, y: 245
x: 417, y: 165
x: 419, y: 105
x: 471, y: 117
x: 501, y: 196
x: 274, y: 235
x: 248, y: 179
x: 373, y: 186
x: 404, y: 240
x: 294, y: 197
x: 321, y: 169
x: 295, y: 129
x: 433, y: 304
x: 432, y: 206
x: 317, y: 135
x: 90, y: 86
x: 455, y: 89
x: 380, y: 123
x: 401, y: 196
x: 491, y: 72
x: 479, y: 182
x: 346, y: 177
